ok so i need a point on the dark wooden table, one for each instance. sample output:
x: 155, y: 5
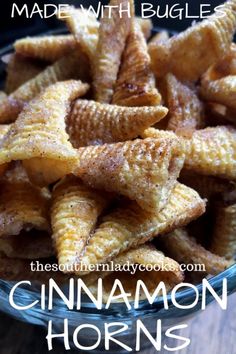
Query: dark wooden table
x: 212, y: 332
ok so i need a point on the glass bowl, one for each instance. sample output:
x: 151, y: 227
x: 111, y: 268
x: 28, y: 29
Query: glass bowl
x: 88, y: 314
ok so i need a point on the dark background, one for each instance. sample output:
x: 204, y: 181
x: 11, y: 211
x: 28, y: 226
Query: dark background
x: 11, y: 29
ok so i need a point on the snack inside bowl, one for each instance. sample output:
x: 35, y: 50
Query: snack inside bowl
x: 122, y: 166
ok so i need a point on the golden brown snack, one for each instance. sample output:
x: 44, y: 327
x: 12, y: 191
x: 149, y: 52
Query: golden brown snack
x: 22, y: 205
x: 210, y: 151
x: 113, y: 32
x: 185, y: 249
x: 84, y: 26
x: 32, y: 244
x: 39, y: 134
x: 48, y: 48
x: 185, y: 109
x: 93, y: 123
x: 135, y: 84
x: 146, y: 26
x: 217, y: 88
x: 226, y: 66
x: 144, y: 255
x: 157, y: 134
x: 74, y: 213
x: 160, y: 36
x: 130, y: 226
x: 224, y: 234
x: 206, y: 186
x: 221, y: 91
x: 65, y: 68
x: 143, y: 170
x: 195, y: 49
x: 20, y: 70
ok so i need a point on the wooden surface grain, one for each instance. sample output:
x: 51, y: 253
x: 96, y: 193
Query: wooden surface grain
x: 212, y: 332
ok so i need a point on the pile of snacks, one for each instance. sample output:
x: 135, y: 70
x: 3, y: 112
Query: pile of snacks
x: 118, y: 147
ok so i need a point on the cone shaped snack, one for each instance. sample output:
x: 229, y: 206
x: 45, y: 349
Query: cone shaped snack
x: 39, y: 134
x: 63, y: 69
x: 224, y: 67
x: 143, y: 170
x: 218, y: 86
x: 93, y: 123
x: 145, y: 25
x: 195, y: 49
x: 129, y: 226
x: 84, y: 26
x: 185, y: 108
x: 135, y: 85
x: 227, y: 66
x: 113, y: 32
x: 27, y: 245
x: 22, y: 205
x: 185, y: 249
x: 160, y: 36
x: 48, y: 48
x: 221, y: 91
x: 157, y: 134
x: 210, y: 151
x: 144, y: 255
x: 20, y: 70
x: 74, y: 213
x: 224, y: 233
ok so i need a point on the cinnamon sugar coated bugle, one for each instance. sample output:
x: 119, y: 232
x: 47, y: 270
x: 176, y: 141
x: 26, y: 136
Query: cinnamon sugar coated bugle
x: 143, y: 170
x: 39, y: 134
x: 48, y: 48
x: 135, y: 84
x: 93, y: 123
x: 74, y: 213
x: 112, y: 36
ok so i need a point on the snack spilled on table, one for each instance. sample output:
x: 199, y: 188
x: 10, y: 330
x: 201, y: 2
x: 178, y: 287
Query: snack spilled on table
x: 114, y: 146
